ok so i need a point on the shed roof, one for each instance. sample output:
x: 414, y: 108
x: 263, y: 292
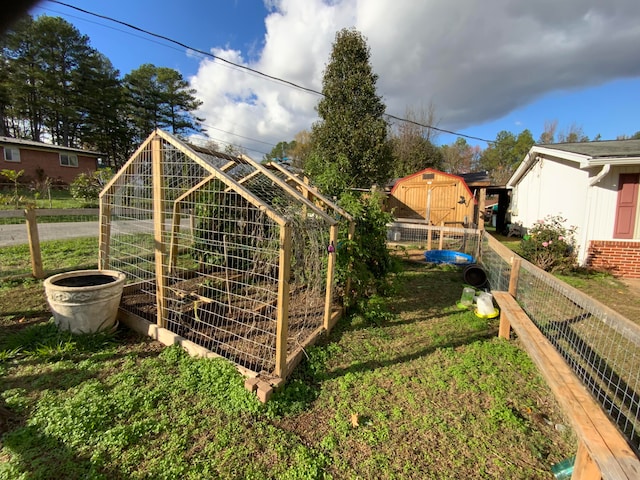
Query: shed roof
x: 47, y: 146
x: 435, y: 172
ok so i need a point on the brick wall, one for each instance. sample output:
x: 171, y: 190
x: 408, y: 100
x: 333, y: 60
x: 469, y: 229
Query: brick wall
x: 619, y: 257
x: 31, y: 160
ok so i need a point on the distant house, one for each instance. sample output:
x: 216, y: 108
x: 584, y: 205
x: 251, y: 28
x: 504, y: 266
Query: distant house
x: 436, y: 197
x: 594, y: 185
x: 37, y: 159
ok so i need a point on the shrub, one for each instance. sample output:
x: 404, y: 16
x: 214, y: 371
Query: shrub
x: 87, y: 187
x: 550, y: 245
x: 366, y: 258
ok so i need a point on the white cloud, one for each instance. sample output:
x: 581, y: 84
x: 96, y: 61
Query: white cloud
x: 476, y: 61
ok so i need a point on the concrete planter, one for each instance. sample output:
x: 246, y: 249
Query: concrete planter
x: 85, y: 301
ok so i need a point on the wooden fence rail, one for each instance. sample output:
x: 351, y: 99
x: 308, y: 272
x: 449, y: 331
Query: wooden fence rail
x: 603, y: 451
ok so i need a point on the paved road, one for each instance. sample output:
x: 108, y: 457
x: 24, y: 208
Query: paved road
x: 17, y: 234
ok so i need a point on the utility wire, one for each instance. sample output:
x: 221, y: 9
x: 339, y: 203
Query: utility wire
x: 176, y: 42
x: 438, y: 129
x: 252, y: 70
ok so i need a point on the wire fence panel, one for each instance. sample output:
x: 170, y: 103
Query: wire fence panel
x: 601, y: 346
x: 497, y: 265
x: 201, y: 237
x: 430, y: 237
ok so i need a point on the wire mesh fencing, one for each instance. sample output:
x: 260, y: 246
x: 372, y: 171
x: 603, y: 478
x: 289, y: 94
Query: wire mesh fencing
x: 430, y: 237
x: 601, y: 346
x: 219, y: 252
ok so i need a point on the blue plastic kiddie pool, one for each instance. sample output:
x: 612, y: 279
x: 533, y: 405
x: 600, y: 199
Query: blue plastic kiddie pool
x: 447, y: 256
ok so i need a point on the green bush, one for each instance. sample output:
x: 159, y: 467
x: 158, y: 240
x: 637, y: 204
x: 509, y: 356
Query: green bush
x: 550, y: 245
x: 87, y: 187
x: 366, y: 258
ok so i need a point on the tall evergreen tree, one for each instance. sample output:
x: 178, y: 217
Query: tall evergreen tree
x: 350, y: 147
x: 23, y: 113
x: 106, y: 127
x: 160, y: 98
x: 63, y: 51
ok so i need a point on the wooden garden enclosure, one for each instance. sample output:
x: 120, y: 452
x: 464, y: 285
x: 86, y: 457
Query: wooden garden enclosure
x: 436, y: 197
x: 223, y: 253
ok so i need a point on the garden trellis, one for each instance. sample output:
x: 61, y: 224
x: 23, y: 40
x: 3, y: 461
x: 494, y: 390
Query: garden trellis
x: 223, y: 252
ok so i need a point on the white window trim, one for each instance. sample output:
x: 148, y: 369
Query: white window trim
x: 14, y: 152
x: 69, y: 156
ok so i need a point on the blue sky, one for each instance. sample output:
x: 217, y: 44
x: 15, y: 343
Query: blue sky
x: 484, y: 66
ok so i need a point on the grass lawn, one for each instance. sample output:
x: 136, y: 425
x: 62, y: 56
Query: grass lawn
x: 410, y: 387
x: 60, y: 198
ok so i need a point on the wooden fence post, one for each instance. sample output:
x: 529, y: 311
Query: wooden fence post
x: 584, y: 468
x: 504, y: 331
x: 328, y: 307
x: 34, y: 243
x: 282, y: 326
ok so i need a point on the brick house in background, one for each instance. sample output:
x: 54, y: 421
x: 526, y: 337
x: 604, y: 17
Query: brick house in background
x: 37, y: 159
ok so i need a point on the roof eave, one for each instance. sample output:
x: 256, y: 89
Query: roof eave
x: 598, y: 162
x: 532, y: 157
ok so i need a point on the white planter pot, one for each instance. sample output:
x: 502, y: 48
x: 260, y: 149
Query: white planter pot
x: 85, y: 301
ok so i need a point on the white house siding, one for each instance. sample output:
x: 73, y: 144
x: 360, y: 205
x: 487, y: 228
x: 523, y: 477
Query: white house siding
x: 551, y: 187
x: 548, y: 188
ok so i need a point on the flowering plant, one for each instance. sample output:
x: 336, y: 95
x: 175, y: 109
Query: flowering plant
x: 550, y: 245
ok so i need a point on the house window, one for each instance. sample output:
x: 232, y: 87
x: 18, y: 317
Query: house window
x: 11, y: 154
x: 68, y: 160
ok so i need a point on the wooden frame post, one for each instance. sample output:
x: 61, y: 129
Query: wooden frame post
x: 481, y: 206
x: 331, y: 265
x: 504, y: 331
x: 282, y: 327
x: 105, y: 232
x: 34, y: 243
x: 158, y: 226
x: 584, y: 468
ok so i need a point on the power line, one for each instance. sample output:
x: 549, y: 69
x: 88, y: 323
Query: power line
x: 438, y: 129
x: 249, y: 69
x: 183, y: 45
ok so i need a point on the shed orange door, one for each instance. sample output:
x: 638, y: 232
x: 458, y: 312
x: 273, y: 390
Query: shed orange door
x: 626, y: 206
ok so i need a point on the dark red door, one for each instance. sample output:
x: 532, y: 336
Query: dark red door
x: 626, y: 206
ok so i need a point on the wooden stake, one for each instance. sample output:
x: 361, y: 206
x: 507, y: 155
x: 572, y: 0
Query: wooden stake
x: 515, y: 275
x: 481, y: 206
x: 333, y: 238
x: 34, y: 243
x: 282, y: 328
x: 105, y: 232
